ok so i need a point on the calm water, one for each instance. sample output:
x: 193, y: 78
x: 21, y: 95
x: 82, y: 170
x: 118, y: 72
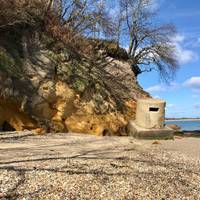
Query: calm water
x: 187, y: 125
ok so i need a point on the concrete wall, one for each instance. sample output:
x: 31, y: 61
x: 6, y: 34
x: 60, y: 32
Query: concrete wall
x: 150, y: 113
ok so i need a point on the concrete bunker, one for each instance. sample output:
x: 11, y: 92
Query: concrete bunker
x: 150, y: 113
x: 150, y: 120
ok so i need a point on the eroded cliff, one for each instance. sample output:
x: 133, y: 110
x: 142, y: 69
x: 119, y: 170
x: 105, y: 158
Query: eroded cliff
x: 45, y: 86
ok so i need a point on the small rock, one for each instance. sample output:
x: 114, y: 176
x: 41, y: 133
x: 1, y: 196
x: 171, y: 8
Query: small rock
x: 156, y: 142
x: 178, y: 137
x: 174, y: 127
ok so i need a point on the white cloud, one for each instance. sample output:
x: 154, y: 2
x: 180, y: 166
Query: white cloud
x: 196, y: 90
x: 156, y: 4
x: 156, y: 97
x: 193, y: 83
x: 178, y: 38
x: 171, y: 106
x: 195, y: 96
x: 197, y: 106
x: 156, y: 88
x: 183, y: 55
x: 173, y: 86
x: 163, y: 88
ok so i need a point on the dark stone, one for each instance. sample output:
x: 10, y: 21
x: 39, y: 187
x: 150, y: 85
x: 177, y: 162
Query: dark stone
x: 7, y: 127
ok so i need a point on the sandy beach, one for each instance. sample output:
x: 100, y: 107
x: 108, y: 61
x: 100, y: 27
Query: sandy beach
x: 74, y: 166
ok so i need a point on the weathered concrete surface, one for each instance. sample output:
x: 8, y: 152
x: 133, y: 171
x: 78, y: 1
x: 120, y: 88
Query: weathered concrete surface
x: 149, y: 122
x: 150, y: 113
x: 143, y: 133
x: 73, y: 166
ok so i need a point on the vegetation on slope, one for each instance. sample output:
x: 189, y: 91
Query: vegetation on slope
x: 72, y: 21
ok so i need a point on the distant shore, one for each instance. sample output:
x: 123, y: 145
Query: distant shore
x: 188, y: 119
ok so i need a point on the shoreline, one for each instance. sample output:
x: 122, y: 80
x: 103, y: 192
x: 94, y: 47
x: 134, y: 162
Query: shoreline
x: 176, y: 120
x: 195, y: 134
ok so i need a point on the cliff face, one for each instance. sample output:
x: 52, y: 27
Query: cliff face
x: 46, y: 87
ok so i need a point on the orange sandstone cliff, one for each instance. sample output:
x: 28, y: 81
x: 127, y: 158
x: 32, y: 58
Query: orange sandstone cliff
x: 46, y: 87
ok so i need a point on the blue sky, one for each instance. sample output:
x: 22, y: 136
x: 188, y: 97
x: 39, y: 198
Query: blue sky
x: 183, y: 93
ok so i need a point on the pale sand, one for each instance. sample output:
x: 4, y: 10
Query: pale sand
x: 188, y: 146
x: 83, y: 167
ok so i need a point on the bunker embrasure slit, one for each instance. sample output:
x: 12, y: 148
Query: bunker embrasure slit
x: 153, y: 109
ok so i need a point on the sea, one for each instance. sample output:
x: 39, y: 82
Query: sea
x: 186, y: 125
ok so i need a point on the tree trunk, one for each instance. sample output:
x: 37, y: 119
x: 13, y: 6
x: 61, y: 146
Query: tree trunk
x: 131, y: 46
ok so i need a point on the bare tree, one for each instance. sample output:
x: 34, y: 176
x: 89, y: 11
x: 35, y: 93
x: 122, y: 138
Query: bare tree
x: 88, y: 17
x: 118, y: 20
x: 83, y: 17
x: 150, y: 46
